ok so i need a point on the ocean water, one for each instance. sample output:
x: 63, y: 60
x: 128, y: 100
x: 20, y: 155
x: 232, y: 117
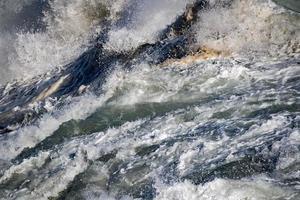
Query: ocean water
x: 121, y: 100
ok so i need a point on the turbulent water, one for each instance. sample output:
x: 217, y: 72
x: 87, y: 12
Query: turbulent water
x: 139, y: 99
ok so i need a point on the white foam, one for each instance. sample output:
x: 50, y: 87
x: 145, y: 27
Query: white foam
x: 29, y: 136
x: 219, y: 189
x: 147, y: 84
x: 25, y: 167
x: 55, y: 184
x: 255, y: 26
x: 289, y: 159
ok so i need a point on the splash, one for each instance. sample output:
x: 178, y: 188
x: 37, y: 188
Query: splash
x: 165, y: 103
x: 249, y: 26
x: 144, y: 26
x: 69, y: 25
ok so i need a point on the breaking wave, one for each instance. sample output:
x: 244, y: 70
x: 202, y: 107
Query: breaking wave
x: 138, y: 99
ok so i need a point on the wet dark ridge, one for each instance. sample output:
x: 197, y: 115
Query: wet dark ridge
x: 250, y: 162
x: 184, y: 22
x: 246, y: 167
x: 107, y: 117
x: 92, y: 67
x: 276, y: 108
x: 143, y: 190
x: 110, y: 116
x: 99, y: 121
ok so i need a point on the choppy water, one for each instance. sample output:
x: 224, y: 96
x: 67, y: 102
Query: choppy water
x: 102, y: 100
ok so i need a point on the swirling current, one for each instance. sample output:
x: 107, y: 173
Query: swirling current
x: 150, y: 99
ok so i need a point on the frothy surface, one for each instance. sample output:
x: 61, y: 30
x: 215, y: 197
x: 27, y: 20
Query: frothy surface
x: 221, y: 122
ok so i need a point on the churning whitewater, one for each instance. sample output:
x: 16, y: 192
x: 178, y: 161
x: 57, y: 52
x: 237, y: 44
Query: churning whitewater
x: 140, y: 99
